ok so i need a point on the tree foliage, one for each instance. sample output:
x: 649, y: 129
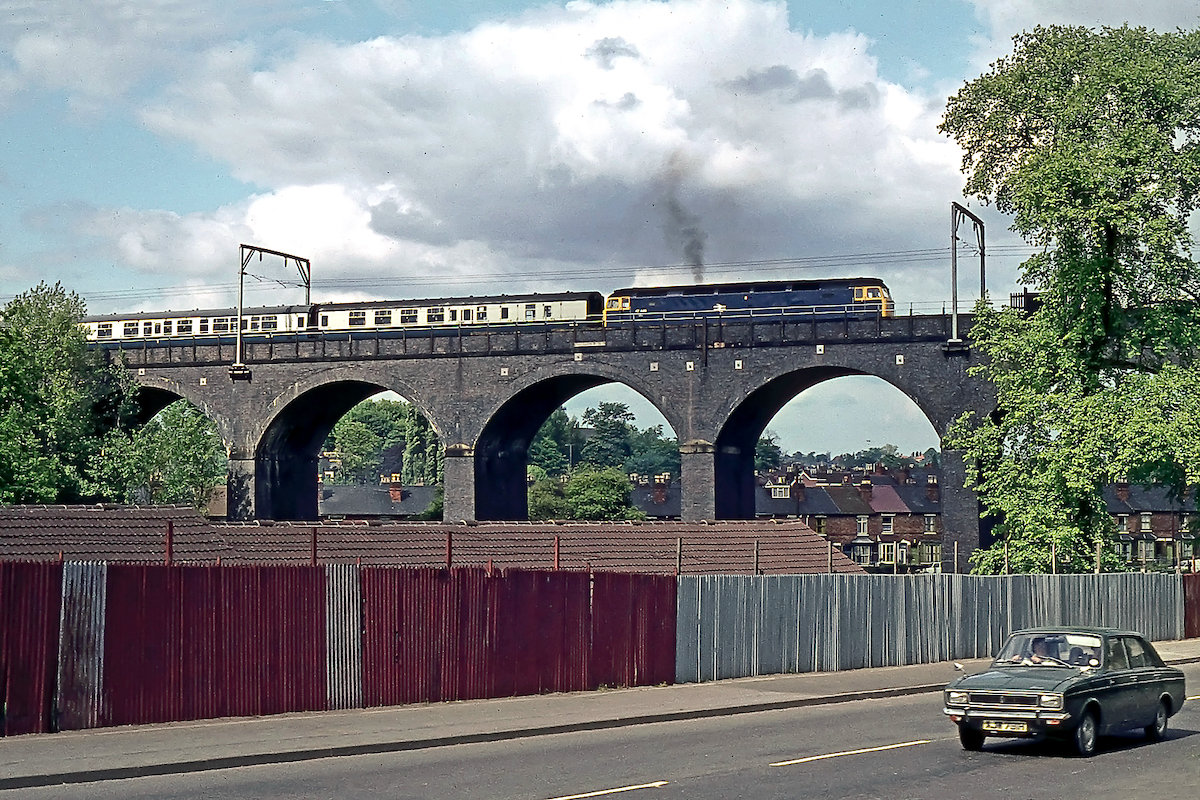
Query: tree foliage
x: 589, y: 493
x: 379, y: 437
x: 58, y: 400
x: 1091, y: 140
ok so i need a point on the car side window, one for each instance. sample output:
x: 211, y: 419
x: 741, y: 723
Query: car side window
x: 1116, y: 655
x: 1137, y: 653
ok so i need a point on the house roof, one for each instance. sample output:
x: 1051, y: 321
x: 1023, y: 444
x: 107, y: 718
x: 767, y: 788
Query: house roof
x: 132, y: 534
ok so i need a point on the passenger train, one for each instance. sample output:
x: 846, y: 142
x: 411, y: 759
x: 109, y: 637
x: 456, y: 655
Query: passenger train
x: 809, y: 299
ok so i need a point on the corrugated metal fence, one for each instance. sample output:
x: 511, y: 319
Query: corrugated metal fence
x: 90, y: 644
x: 737, y: 626
x: 1191, y: 595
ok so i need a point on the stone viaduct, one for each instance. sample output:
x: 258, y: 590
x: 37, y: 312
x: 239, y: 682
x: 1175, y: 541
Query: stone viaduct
x: 487, y: 391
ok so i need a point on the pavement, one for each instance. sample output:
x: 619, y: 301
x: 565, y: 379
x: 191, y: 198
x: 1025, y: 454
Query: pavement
x: 183, y: 747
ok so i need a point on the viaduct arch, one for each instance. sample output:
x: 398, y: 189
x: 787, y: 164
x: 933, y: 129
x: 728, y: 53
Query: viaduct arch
x: 486, y: 394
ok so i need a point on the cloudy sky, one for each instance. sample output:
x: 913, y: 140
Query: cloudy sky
x: 415, y: 149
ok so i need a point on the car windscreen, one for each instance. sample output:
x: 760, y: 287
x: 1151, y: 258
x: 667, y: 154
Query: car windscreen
x: 1056, y: 649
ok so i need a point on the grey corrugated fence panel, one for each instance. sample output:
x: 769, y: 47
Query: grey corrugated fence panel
x: 79, y: 687
x: 737, y: 626
x: 343, y: 636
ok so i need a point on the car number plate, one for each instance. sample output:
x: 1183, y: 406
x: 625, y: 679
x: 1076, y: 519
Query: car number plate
x: 1005, y: 727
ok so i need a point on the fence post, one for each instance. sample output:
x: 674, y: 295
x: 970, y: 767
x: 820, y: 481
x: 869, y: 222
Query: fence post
x: 170, y: 541
x: 678, y: 556
x: 313, y: 558
x: 1097, y: 556
x: 556, y: 552
x: 756, y: 556
x: 830, y: 545
x: 449, y: 549
x: 1053, y: 558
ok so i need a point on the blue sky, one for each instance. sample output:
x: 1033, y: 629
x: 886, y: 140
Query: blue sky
x: 415, y: 149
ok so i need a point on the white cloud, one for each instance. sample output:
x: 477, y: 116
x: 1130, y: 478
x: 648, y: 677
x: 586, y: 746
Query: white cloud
x: 576, y: 137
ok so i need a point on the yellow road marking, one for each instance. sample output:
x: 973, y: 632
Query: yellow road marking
x: 654, y: 785
x: 850, y: 753
x: 1194, y: 697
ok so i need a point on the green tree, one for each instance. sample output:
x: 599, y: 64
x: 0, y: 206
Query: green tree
x: 548, y: 500
x: 600, y: 494
x: 651, y: 453
x: 608, y: 445
x: 360, y: 449
x: 1091, y: 140
x: 58, y: 400
x: 558, y: 444
x: 767, y: 453
x: 181, y: 455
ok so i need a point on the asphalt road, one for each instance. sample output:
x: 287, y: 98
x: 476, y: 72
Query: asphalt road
x: 890, y: 748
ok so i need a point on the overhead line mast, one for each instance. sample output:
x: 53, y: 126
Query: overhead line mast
x: 238, y: 370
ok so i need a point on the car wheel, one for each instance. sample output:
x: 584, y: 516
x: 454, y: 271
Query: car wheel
x: 971, y: 739
x: 1156, y: 730
x: 1086, y: 734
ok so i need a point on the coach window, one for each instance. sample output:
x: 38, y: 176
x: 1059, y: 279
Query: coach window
x: 254, y: 321
x: 546, y: 312
x: 183, y: 326
x: 481, y: 313
x: 383, y: 317
x: 504, y: 312
x: 435, y: 315
x: 530, y: 311
x: 408, y: 316
x: 131, y: 329
x: 466, y: 315
x: 167, y: 327
x: 220, y: 324
x: 301, y: 323
x: 358, y: 319
x: 270, y: 323
x: 147, y: 328
x: 245, y: 322
x: 203, y: 325
x: 104, y: 330
x: 454, y: 315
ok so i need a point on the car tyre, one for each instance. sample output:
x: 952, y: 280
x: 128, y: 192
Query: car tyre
x: 1086, y: 734
x: 970, y: 738
x: 1157, y: 729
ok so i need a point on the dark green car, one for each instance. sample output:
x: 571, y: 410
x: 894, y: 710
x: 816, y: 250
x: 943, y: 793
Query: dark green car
x: 1069, y: 683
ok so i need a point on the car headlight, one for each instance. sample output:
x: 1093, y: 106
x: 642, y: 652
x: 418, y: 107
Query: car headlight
x: 955, y: 698
x: 1051, y: 701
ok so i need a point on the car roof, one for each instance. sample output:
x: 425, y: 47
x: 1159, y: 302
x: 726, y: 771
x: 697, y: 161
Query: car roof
x: 1080, y: 629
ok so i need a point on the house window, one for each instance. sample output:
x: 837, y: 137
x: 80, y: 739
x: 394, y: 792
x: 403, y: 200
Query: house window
x: 1123, y: 523
x: 887, y: 552
x: 902, y: 552
x: 358, y: 319
x: 887, y: 520
x: 383, y: 317
x: 862, y: 525
x: 104, y: 330
x: 1145, y: 550
x: 781, y: 491
x: 819, y: 525
x: 435, y: 315
x: 931, y: 523
x: 408, y: 316
x: 1146, y: 521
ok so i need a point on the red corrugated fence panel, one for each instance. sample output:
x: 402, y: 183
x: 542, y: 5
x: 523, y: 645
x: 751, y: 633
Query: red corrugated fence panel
x: 1191, y: 606
x: 633, y: 629
x: 30, y: 600
x: 142, y: 645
